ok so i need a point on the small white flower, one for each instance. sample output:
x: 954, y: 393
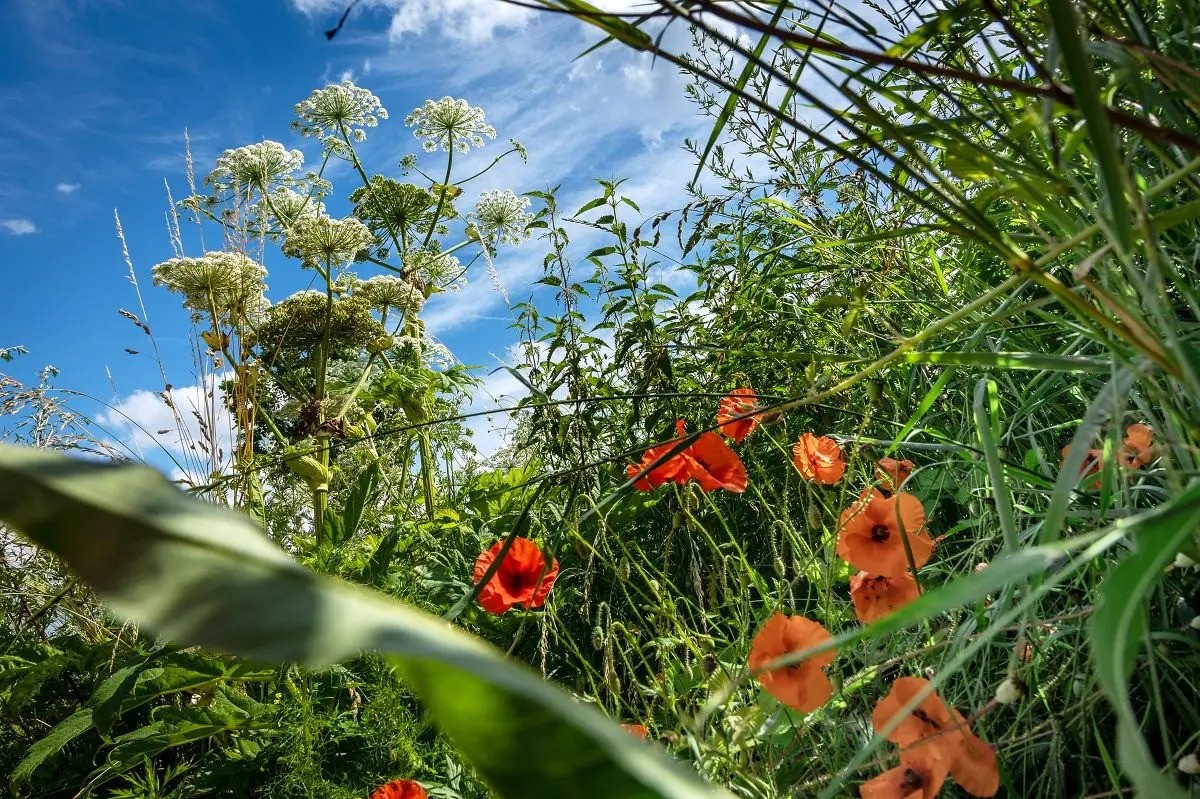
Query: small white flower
x: 1182, y: 561
x: 254, y: 166
x: 449, y: 124
x: 1189, y: 764
x: 1009, y: 691
x: 220, y: 282
x: 501, y: 216
x: 338, y: 109
x: 1195, y: 623
x: 322, y: 239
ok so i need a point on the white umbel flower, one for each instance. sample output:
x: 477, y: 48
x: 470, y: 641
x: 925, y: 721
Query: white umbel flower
x: 501, y: 216
x: 436, y: 268
x: 223, y: 282
x: 322, y: 239
x: 391, y: 291
x: 254, y: 166
x: 449, y: 124
x: 339, y: 108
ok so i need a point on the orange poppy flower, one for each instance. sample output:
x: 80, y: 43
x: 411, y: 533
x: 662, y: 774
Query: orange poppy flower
x: 400, y: 789
x: 636, y: 730
x: 873, y: 530
x: 938, y: 732
x: 1138, y: 448
x: 914, y: 778
x: 1093, y: 461
x: 524, y: 577
x: 818, y: 459
x: 875, y: 595
x: 736, y: 403
x: 891, y: 473
x: 803, y: 686
x: 708, y: 460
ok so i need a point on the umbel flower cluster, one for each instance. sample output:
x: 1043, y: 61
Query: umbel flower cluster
x: 255, y: 166
x: 217, y: 282
x: 340, y: 110
x: 449, y: 124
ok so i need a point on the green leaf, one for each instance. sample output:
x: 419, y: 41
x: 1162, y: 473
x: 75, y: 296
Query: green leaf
x: 63, y: 733
x: 361, y: 494
x: 199, y: 574
x: 1118, y: 628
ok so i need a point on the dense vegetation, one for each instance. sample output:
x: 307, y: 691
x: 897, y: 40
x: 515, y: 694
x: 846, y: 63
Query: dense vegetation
x: 907, y: 393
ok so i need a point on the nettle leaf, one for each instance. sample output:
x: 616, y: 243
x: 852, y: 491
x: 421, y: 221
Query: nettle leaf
x: 198, y: 574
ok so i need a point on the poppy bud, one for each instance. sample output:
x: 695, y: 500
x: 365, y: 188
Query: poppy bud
x: 613, y: 683
x: 623, y: 570
x: 678, y: 520
x: 1189, y: 764
x: 1078, y: 687
x: 1009, y: 691
x: 780, y: 567
x: 597, y: 638
x: 814, y: 517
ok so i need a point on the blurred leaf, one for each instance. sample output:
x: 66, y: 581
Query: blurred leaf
x: 203, y: 575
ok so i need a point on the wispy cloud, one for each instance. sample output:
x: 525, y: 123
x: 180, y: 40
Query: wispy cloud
x: 19, y: 226
x: 67, y: 188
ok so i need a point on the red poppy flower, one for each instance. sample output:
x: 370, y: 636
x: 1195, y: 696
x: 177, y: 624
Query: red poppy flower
x: 914, y: 778
x: 875, y: 595
x: 1093, y: 461
x: 873, y: 530
x: 738, y: 402
x: 636, y: 730
x: 524, y: 577
x: 818, y: 459
x: 1138, y: 447
x: 400, y: 789
x: 803, y: 686
x: 708, y: 460
x: 891, y: 473
x: 935, y: 731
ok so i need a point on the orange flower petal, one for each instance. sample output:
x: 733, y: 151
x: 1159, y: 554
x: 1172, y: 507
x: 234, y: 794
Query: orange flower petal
x: 714, y: 465
x: 400, y: 789
x: 803, y: 686
x: 872, y: 533
x: 818, y: 459
x: 1138, y: 448
x: 891, y: 473
x: 875, y: 595
x: 738, y: 402
x: 636, y: 730
x: 914, y: 778
x: 522, y: 579
x: 939, y: 730
x: 975, y: 769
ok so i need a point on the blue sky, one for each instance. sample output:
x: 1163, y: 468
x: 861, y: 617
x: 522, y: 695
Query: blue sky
x: 97, y: 94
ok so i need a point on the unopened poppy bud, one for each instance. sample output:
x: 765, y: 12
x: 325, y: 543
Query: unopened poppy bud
x: 597, y: 639
x: 623, y: 570
x: 1009, y: 691
x: 1078, y: 686
x: 1189, y: 764
x: 678, y: 520
x: 613, y: 683
x: 814, y: 517
x: 780, y: 567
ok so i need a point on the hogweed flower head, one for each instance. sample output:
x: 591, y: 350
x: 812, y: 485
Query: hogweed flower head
x: 288, y: 207
x: 254, y: 166
x: 391, y: 291
x: 323, y: 239
x: 223, y: 282
x: 338, y: 108
x: 435, y: 268
x: 501, y: 216
x: 449, y: 124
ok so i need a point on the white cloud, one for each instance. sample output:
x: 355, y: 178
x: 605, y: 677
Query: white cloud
x: 18, y: 226
x: 67, y: 188
x: 151, y: 428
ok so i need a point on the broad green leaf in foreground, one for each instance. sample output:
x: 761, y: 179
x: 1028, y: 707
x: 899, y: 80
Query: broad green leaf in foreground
x: 202, y: 575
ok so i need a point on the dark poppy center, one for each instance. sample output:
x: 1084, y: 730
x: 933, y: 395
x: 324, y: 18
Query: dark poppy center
x: 911, y: 781
x: 923, y: 716
x: 880, y: 532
